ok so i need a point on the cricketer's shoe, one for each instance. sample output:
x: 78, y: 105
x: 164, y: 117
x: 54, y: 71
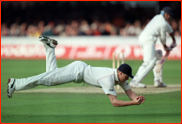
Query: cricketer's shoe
x: 48, y: 42
x: 11, y: 87
x: 157, y: 83
x: 137, y: 85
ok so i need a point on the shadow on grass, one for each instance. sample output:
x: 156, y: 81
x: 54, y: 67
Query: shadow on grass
x: 94, y: 118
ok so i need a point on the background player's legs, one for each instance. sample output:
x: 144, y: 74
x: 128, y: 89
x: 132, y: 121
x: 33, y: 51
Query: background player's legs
x: 149, y: 59
x: 158, y: 76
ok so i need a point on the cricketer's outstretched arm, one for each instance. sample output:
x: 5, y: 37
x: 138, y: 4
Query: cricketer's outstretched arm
x: 130, y: 94
x: 119, y: 103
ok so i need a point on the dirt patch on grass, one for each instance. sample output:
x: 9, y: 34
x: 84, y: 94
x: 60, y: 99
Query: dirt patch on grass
x: 149, y: 90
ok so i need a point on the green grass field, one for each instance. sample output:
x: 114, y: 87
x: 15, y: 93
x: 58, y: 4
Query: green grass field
x: 86, y: 108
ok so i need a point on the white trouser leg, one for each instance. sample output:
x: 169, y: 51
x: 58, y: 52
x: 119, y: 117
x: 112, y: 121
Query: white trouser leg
x: 44, y: 78
x: 51, y: 62
x: 143, y: 70
x: 158, y: 75
x: 149, y: 59
x: 70, y: 73
x: 161, y: 75
x: 53, y: 75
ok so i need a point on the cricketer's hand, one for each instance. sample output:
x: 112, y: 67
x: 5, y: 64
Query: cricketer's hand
x: 167, y: 49
x: 139, y: 100
x: 142, y: 99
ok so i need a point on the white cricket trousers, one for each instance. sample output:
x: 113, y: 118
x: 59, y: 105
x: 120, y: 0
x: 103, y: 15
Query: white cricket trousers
x: 150, y: 59
x: 53, y: 75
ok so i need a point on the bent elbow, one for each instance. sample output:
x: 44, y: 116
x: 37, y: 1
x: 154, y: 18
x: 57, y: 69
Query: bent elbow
x: 115, y: 104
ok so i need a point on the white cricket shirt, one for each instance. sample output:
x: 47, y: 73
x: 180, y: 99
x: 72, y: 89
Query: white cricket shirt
x: 157, y: 27
x: 104, y: 78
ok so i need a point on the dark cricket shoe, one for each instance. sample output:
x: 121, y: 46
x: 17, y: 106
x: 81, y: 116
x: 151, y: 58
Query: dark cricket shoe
x: 48, y: 42
x: 11, y: 87
x: 157, y: 83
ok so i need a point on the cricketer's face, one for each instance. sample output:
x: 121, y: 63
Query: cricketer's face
x: 167, y: 17
x: 122, y: 77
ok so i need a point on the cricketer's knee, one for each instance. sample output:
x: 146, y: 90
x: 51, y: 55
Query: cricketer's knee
x: 159, y: 54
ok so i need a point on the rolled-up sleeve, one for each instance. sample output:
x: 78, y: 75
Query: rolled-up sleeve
x: 163, y: 36
x: 107, y: 85
x: 125, y: 85
x: 166, y: 29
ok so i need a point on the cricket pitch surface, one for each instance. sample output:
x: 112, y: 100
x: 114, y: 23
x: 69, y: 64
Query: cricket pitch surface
x: 149, y: 90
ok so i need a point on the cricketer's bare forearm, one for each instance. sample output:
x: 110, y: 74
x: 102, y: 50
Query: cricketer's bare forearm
x: 130, y: 94
x: 172, y: 36
x: 119, y: 103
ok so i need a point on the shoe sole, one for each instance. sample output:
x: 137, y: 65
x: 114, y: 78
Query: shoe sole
x: 8, y: 89
x: 45, y: 39
x: 54, y: 42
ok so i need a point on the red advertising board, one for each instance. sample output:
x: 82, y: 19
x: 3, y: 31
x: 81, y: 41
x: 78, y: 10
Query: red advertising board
x: 29, y: 51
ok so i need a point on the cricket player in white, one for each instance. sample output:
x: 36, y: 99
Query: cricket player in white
x: 157, y: 27
x: 79, y: 72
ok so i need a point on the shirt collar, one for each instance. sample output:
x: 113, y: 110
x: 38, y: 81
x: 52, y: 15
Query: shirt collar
x: 162, y: 17
x: 116, y: 75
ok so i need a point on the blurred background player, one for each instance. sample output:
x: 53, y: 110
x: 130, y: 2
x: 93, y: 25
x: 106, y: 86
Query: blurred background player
x: 157, y: 27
